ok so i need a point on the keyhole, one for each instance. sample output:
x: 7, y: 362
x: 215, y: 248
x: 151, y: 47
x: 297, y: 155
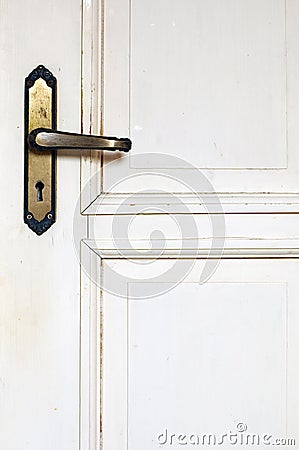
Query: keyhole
x: 39, y: 188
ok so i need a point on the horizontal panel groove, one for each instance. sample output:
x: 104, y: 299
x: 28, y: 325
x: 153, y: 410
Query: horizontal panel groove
x: 184, y: 203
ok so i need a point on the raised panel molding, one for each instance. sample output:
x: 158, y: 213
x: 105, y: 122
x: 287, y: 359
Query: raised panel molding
x: 106, y: 107
x: 193, y: 248
x: 250, y: 167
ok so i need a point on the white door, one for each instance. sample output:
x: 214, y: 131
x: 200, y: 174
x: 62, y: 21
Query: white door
x: 181, y: 337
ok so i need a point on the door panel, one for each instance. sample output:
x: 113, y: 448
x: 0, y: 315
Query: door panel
x: 191, y: 359
x: 213, y: 83
x: 208, y: 80
x: 200, y: 359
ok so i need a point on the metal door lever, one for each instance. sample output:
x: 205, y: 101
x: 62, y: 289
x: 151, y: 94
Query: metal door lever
x: 47, y: 139
x: 41, y: 140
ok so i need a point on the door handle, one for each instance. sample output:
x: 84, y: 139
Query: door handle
x: 45, y: 139
x: 41, y: 140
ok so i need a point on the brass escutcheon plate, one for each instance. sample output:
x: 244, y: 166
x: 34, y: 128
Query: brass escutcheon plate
x: 39, y: 166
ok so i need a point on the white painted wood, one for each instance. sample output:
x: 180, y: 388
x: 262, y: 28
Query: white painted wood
x: 91, y: 95
x: 127, y: 231
x: 90, y: 355
x: 201, y: 358
x: 39, y: 276
x: 248, y: 104
x: 110, y: 203
x: 215, y: 72
x: 193, y: 248
x: 209, y: 343
x: 224, y: 101
x: 40, y: 312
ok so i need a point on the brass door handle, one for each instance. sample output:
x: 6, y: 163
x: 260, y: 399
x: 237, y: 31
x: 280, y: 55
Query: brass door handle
x: 48, y: 139
x: 40, y: 144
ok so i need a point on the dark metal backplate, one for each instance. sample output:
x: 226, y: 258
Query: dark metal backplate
x: 39, y: 167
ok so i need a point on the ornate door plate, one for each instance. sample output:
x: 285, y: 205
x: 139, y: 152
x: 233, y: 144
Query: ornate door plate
x: 39, y: 166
